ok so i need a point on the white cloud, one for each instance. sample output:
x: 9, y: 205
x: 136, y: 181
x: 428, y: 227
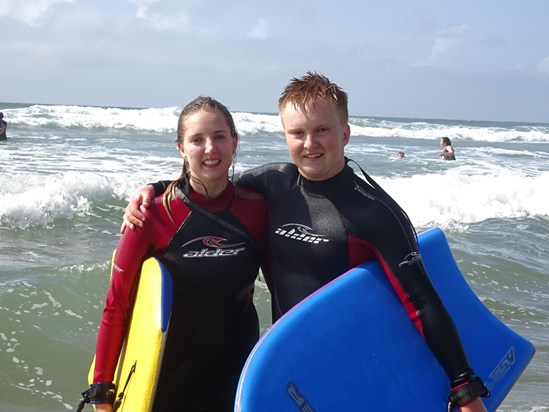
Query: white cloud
x: 543, y: 66
x: 142, y: 7
x: 31, y: 12
x: 447, y: 42
x: 168, y: 22
x: 259, y: 31
x: 160, y: 15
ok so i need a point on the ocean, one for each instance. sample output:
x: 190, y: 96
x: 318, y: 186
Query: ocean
x: 66, y: 173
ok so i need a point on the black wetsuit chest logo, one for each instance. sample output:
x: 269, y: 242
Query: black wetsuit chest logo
x: 299, y: 232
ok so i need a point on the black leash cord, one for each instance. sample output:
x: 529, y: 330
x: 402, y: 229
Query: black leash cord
x: 121, y: 394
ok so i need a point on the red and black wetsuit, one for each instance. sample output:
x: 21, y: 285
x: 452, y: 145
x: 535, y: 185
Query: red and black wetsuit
x: 320, y: 229
x: 214, y: 323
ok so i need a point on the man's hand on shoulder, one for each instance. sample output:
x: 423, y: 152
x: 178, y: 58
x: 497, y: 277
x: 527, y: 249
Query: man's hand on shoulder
x: 134, y: 214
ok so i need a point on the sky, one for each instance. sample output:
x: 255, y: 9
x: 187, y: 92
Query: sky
x: 438, y: 59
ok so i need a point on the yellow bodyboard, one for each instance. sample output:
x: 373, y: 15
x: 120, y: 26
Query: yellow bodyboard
x: 138, y: 368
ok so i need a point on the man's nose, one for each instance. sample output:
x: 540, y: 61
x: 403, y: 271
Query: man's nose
x: 309, y: 141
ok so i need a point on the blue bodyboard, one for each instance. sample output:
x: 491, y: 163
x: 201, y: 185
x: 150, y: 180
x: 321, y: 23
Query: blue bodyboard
x: 351, y: 346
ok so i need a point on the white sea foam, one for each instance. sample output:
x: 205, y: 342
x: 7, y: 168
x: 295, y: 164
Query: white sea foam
x: 151, y: 119
x: 458, y: 196
x: 164, y: 120
x: 456, y: 199
x: 30, y: 199
x: 434, y: 130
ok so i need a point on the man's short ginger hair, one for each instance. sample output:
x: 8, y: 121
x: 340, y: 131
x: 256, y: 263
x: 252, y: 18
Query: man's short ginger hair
x: 312, y: 87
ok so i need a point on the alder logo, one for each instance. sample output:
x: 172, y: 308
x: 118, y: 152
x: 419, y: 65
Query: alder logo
x: 212, y: 246
x: 297, y: 231
x: 410, y: 259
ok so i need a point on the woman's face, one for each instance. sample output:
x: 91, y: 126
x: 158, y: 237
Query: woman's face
x: 208, y: 147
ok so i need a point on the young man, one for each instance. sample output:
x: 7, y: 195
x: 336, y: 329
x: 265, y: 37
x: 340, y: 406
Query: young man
x: 333, y: 220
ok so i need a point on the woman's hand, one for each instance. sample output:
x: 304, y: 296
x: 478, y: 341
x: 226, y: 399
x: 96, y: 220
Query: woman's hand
x: 103, y: 407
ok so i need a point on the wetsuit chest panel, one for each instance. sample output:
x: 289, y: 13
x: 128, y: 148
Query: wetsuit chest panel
x: 308, y: 245
x: 213, y: 325
x: 194, y: 261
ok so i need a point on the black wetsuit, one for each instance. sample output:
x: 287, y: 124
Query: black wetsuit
x: 319, y: 230
x: 452, y: 156
x: 3, y: 128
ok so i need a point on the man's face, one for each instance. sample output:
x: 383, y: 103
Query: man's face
x: 316, y: 139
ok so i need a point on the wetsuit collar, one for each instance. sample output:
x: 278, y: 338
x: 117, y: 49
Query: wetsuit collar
x: 334, y: 184
x: 221, y: 202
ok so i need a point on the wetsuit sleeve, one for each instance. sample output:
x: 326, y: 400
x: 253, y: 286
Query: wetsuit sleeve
x: 160, y: 186
x: 130, y: 253
x: 400, y: 258
x: 429, y: 315
x: 254, y: 214
x: 269, y: 180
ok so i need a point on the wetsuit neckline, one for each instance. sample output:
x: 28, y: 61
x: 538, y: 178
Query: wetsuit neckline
x: 332, y: 185
x: 218, y: 204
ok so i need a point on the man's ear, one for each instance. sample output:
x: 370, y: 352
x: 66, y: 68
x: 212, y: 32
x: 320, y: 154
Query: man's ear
x: 346, y: 134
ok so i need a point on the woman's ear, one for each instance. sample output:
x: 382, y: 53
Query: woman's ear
x: 180, y: 149
x: 235, y: 144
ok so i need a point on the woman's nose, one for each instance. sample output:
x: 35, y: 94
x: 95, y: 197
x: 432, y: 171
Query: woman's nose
x: 210, y: 145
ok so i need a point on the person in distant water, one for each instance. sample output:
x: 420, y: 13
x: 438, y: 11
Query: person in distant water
x: 353, y: 219
x: 3, y: 127
x: 401, y: 155
x: 447, y: 149
x: 214, y: 324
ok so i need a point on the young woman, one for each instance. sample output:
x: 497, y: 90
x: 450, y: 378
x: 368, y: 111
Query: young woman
x: 214, y: 323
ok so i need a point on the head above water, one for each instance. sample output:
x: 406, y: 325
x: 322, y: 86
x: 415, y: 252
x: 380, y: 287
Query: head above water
x: 445, y: 141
